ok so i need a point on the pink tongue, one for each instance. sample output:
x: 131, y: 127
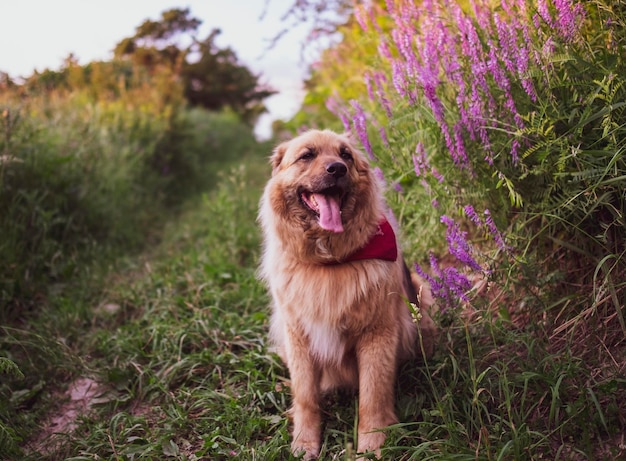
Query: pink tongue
x: 330, y: 214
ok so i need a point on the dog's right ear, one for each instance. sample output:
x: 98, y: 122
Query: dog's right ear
x: 277, y: 156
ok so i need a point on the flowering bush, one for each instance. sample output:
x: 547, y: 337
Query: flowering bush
x: 499, y: 130
x: 515, y: 110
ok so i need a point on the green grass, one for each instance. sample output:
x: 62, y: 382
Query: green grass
x: 176, y: 340
x: 173, y: 333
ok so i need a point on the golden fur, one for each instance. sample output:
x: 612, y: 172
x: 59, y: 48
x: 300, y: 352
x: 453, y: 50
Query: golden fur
x: 334, y: 323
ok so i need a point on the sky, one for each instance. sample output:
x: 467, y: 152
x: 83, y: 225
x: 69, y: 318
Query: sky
x: 40, y: 34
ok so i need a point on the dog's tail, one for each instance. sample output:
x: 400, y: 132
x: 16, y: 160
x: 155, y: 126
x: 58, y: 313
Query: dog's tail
x: 417, y: 290
x: 420, y: 295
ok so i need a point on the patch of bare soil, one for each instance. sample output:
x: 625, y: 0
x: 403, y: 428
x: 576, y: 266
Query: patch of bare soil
x: 77, y: 401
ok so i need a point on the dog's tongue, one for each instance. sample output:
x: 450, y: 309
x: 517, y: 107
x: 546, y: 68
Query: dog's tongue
x: 330, y: 213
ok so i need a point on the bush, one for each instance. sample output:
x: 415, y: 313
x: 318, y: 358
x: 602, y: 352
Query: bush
x: 500, y: 131
x: 194, y: 146
x: 509, y: 120
x: 81, y: 179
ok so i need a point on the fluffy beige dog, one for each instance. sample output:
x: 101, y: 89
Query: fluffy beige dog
x: 339, y: 285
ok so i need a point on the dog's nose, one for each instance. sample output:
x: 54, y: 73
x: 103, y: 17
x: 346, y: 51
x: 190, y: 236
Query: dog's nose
x: 336, y: 169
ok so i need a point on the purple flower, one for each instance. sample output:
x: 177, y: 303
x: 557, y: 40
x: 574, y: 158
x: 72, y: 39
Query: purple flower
x: 435, y: 286
x: 430, y: 91
x: 383, y: 136
x: 361, y: 16
x: 372, y: 16
x: 403, y: 40
x: 458, y: 156
x: 399, y: 77
x: 448, y: 284
x: 465, y: 65
x: 368, y: 85
x: 360, y: 125
x: 458, y: 245
x: 420, y: 162
x: 495, y: 233
x: 383, y: 49
x: 471, y: 213
x: 544, y: 12
x: 438, y: 176
x: 380, y: 80
x: 461, y: 154
x: 335, y: 108
x: 457, y: 283
x: 515, y: 146
x: 508, y: 43
x: 568, y: 18
x: 488, y: 223
x: 482, y: 13
x: 391, y: 7
x: 378, y: 174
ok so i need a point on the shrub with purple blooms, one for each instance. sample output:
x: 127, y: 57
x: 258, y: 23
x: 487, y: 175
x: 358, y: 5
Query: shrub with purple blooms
x: 499, y: 129
x: 505, y: 119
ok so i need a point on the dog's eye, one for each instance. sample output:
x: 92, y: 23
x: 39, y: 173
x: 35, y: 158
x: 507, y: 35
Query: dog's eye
x: 309, y: 154
x: 345, y: 154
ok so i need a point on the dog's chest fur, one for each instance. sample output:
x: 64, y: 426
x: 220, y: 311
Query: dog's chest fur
x: 325, y: 341
x: 330, y: 304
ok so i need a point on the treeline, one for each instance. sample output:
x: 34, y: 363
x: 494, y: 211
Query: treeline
x: 201, y: 74
x: 93, y: 158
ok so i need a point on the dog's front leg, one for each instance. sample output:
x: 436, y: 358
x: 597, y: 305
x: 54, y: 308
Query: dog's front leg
x: 305, y: 390
x: 376, y: 355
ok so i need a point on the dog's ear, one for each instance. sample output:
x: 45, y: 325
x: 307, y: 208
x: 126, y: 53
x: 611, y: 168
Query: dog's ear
x: 351, y: 137
x: 277, y: 156
x: 356, y: 144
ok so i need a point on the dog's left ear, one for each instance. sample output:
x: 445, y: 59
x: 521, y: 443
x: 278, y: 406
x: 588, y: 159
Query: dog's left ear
x: 355, y: 144
x: 351, y: 137
x: 277, y: 156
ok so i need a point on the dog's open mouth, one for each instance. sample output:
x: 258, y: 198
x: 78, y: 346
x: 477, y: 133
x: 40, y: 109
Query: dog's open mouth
x: 326, y: 204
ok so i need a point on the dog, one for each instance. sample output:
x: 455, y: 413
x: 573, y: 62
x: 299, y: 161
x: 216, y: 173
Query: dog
x: 340, y: 288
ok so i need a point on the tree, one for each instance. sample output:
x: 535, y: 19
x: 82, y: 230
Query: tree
x: 6, y: 82
x: 156, y: 42
x: 214, y: 80
x: 218, y: 79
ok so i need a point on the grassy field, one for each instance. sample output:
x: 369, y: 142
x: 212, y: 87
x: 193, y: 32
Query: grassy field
x: 132, y: 324
x: 169, y: 356
x: 165, y: 357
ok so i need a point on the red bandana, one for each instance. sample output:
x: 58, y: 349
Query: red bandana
x: 382, y: 245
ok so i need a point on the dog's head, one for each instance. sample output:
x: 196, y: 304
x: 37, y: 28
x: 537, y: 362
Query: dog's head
x: 320, y: 177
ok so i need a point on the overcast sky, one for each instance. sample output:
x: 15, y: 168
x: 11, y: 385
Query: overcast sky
x: 39, y: 34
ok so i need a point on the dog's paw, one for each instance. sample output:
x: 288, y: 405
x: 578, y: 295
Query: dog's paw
x: 308, y: 450
x: 371, y: 442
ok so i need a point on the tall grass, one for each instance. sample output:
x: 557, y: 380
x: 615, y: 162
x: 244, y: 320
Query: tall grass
x: 499, y: 128
x: 79, y: 178
x: 184, y: 371
x: 180, y: 359
x: 501, y: 144
x: 510, y: 118
x: 84, y: 183
x: 69, y: 180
